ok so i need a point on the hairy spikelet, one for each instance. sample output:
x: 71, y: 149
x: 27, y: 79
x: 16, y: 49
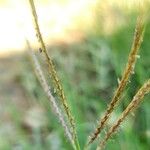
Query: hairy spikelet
x: 145, y: 89
x: 138, y: 35
x: 42, y: 80
x: 53, y: 73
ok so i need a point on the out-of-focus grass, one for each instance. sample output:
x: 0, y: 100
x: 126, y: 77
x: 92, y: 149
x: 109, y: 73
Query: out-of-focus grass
x: 89, y: 72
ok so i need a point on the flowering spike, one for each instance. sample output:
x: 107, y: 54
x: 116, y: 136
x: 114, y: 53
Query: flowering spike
x: 145, y: 89
x: 53, y: 74
x: 129, y: 70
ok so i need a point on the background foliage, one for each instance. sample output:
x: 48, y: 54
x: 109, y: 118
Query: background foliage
x: 88, y: 70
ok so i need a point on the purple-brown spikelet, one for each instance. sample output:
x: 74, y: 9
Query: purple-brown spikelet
x: 129, y: 70
x: 45, y: 86
x: 145, y: 89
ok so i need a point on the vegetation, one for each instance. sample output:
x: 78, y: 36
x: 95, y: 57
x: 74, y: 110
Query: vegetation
x: 70, y: 128
x: 104, y: 77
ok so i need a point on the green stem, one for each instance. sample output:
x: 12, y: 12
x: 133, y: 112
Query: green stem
x: 77, y: 145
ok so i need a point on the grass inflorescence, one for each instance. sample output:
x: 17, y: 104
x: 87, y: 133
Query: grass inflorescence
x: 54, y: 75
x: 129, y: 70
x: 69, y: 125
x: 145, y: 89
x: 46, y: 87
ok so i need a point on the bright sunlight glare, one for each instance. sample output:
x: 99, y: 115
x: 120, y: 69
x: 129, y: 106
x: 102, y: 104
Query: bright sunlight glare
x: 59, y: 20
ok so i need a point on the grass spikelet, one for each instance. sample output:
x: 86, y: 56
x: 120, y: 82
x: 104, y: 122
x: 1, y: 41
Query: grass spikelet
x: 128, y: 71
x: 145, y: 89
x: 44, y: 84
x: 53, y: 74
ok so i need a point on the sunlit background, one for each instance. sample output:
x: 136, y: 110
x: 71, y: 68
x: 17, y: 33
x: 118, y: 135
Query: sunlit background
x: 60, y: 20
x: 89, y: 41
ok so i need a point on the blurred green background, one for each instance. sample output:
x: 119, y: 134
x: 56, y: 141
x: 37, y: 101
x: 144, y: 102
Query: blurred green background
x: 88, y: 68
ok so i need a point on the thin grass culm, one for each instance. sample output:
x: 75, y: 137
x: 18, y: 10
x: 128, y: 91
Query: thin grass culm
x: 129, y: 70
x: 46, y: 87
x: 145, y: 89
x: 54, y: 76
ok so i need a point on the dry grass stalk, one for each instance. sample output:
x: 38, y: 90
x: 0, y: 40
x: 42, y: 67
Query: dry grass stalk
x: 145, y: 89
x: 129, y: 70
x: 42, y: 80
x: 53, y: 73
